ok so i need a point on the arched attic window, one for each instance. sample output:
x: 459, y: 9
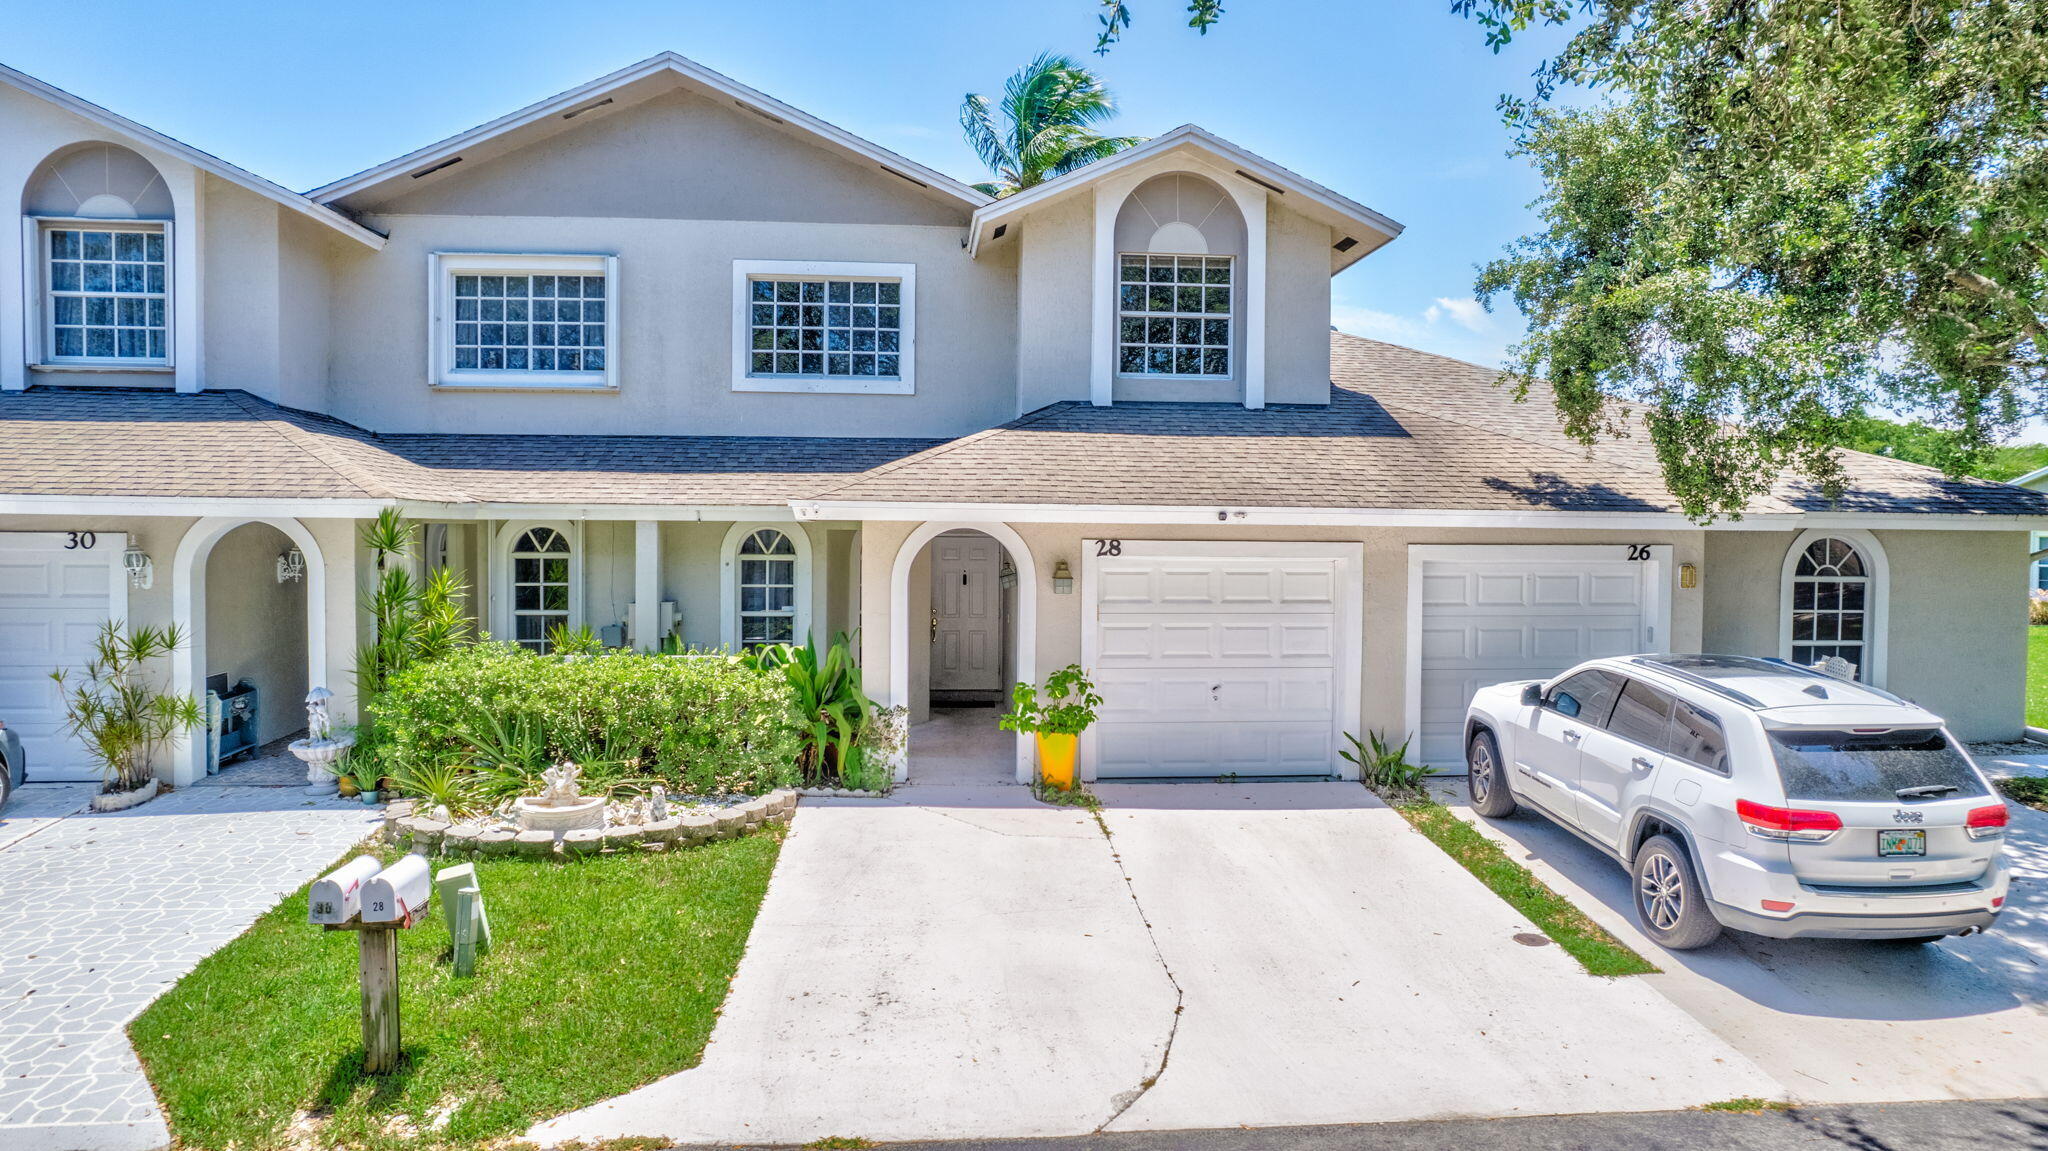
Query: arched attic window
x: 102, y: 222
x: 1180, y: 244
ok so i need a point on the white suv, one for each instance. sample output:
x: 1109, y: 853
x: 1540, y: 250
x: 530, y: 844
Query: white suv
x: 1752, y: 794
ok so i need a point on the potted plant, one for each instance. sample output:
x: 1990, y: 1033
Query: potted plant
x: 346, y: 786
x: 120, y: 715
x: 1057, y: 715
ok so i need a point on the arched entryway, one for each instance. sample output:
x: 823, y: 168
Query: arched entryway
x: 249, y: 596
x: 960, y: 636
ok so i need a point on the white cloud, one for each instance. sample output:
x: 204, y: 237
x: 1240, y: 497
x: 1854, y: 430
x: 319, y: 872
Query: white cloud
x: 1375, y: 324
x: 1467, y: 313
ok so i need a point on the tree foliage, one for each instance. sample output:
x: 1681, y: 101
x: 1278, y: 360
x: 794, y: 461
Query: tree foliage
x: 1044, y: 126
x: 1761, y: 217
x: 1115, y: 19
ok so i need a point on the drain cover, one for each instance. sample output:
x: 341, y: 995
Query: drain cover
x: 1531, y: 939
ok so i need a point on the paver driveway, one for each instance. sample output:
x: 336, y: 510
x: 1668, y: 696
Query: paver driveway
x: 99, y: 914
x: 959, y: 963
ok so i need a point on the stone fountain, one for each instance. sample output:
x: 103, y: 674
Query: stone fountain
x: 560, y: 807
x: 321, y: 747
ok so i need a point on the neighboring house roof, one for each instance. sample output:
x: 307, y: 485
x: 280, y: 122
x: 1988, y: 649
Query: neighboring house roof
x: 115, y: 122
x: 2036, y: 479
x: 230, y: 445
x: 1312, y: 199
x: 1405, y: 430
x: 535, y: 120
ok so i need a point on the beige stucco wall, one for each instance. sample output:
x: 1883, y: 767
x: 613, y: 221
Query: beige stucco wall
x: 1297, y: 307
x: 1055, y: 287
x: 256, y: 626
x: 1956, y: 643
x: 1383, y: 629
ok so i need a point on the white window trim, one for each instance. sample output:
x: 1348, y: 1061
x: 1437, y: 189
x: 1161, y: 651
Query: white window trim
x: 1229, y: 319
x: 35, y: 297
x: 502, y: 626
x: 743, y: 380
x: 729, y: 579
x: 1876, y: 603
x: 443, y: 267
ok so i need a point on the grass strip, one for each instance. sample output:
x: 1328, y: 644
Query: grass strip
x: 1586, y: 941
x: 606, y: 972
x: 2031, y: 790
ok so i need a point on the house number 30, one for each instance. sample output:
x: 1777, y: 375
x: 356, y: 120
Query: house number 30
x: 79, y: 541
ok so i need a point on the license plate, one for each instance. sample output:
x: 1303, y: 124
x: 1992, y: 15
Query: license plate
x: 1912, y: 842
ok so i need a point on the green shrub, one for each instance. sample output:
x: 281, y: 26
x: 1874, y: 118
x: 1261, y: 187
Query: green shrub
x: 825, y: 683
x: 703, y: 725
x: 1384, y: 767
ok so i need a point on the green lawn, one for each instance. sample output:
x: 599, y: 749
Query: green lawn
x: 607, y: 973
x: 1599, y: 952
x: 2037, y: 676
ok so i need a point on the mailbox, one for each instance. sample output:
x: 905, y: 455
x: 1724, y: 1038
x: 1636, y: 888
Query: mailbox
x: 337, y: 897
x: 399, y: 893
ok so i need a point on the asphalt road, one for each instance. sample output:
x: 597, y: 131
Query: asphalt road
x: 1997, y: 1125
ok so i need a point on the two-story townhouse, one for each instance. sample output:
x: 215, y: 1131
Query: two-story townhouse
x: 663, y: 356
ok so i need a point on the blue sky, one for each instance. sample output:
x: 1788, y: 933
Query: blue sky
x: 1391, y: 103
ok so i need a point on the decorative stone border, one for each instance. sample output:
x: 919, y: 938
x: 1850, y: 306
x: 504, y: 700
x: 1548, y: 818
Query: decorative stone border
x: 123, y: 800
x: 841, y: 793
x: 429, y: 836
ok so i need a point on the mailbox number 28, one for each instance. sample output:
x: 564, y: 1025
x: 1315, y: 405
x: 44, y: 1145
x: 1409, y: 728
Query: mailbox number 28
x: 79, y: 541
x: 377, y: 906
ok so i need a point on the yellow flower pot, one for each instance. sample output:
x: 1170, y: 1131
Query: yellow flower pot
x: 1056, y: 759
x: 347, y: 787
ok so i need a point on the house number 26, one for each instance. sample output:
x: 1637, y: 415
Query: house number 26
x: 1639, y: 553
x: 79, y: 541
x: 1109, y: 547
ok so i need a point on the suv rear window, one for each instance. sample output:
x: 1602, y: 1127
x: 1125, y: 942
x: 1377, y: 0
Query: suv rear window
x: 1873, y: 767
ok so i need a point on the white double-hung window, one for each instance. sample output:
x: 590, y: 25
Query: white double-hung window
x: 1173, y: 315
x: 106, y: 293
x: 524, y: 321
x: 823, y: 327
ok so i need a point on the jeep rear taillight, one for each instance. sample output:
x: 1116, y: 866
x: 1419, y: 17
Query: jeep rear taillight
x: 1787, y: 823
x: 1985, y: 822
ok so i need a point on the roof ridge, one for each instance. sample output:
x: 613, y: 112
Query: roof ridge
x: 938, y: 450
x: 272, y: 415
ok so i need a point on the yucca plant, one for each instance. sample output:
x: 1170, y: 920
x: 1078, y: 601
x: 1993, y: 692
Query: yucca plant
x: 117, y: 711
x: 1384, y: 767
x: 446, y: 785
x: 835, y: 710
x: 411, y: 621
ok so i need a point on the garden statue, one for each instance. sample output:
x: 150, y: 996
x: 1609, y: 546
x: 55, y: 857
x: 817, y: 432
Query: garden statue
x: 657, y: 804
x: 559, y: 785
x: 320, y: 749
x: 560, y: 807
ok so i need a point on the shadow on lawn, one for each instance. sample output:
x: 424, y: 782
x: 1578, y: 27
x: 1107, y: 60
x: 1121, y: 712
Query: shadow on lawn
x: 347, y: 1077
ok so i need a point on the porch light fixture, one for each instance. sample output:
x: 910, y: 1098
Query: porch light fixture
x: 1008, y: 576
x: 291, y: 566
x: 1062, y: 579
x: 1688, y: 575
x: 140, y: 568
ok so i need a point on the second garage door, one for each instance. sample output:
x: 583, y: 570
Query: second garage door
x: 1221, y: 659
x: 1485, y: 615
x: 56, y: 589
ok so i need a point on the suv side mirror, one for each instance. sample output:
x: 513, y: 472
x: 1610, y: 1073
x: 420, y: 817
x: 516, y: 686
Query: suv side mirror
x: 1532, y: 694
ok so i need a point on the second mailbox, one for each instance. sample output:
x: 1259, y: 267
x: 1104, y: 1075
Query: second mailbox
x: 399, y: 893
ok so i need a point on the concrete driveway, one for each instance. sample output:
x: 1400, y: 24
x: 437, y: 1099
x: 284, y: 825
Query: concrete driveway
x: 1848, y: 1022
x: 100, y: 914
x: 966, y: 963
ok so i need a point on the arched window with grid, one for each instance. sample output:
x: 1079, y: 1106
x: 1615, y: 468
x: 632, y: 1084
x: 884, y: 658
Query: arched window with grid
x: 540, y: 586
x: 767, y: 575
x: 1832, y: 596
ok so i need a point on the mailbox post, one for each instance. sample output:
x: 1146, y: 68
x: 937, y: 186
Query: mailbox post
x: 376, y: 905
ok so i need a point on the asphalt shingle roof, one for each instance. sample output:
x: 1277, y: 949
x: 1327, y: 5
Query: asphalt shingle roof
x: 1404, y: 430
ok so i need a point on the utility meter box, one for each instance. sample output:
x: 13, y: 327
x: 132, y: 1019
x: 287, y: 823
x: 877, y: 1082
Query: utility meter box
x: 399, y: 893
x: 337, y: 897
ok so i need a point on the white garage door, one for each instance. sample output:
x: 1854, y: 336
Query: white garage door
x: 1217, y: 659
x: 56, y: 588
x: 1489, y: 614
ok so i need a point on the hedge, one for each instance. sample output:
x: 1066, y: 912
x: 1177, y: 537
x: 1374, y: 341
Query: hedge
x: 700, y: 724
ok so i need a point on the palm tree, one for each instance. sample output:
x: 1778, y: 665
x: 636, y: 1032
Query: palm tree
x: 1049, y: 110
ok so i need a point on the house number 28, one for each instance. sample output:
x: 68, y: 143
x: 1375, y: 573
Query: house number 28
x: 79, y: 541
x: 1109, y: 547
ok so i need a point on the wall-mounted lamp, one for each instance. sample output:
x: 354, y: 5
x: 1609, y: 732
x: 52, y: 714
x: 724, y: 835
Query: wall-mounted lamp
x: 1062, y: 578
x: 291, y: 566
x: 141, y: 569
x: 1008, y: 576
x: 1688, y: 575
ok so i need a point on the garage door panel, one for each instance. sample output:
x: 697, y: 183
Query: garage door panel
x: 1169, y: 750
x: 24, y: 581
x: 1209, y: 586
x: 53, y: 601
x: 1488, y: 620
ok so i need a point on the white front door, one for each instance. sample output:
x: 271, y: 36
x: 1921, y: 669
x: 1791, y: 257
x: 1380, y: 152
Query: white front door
x: 1221, y: 658
x: 967, y: 614
x: 56, y: 589
x: 1484, y: 615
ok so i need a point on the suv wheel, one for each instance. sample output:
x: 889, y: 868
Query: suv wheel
x: 1485, y: 782
x: 1669, y: 903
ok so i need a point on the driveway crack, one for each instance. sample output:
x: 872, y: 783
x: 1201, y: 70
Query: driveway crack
x: 1124, y: 1101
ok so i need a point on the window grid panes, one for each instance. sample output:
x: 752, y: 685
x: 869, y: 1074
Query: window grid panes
x: 825, y: 327
x: 1174, y: 315
x: 529, y: 323
x: 767, y: 576
x: 1830, y: 604
x: 540, y: 587
x: 107, y: 290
